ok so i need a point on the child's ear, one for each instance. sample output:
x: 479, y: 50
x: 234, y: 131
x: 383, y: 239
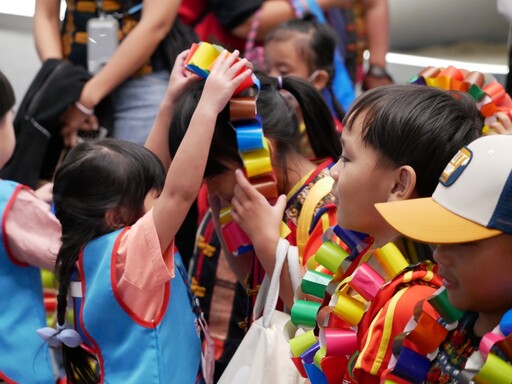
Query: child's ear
x: 404, y: 184
x: 114, y: 218
x: 320, y: 79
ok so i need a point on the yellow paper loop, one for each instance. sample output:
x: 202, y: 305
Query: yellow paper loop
x: 391, y: 259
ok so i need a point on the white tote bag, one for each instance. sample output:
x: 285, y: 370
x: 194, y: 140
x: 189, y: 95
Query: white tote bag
x: 264, y: 354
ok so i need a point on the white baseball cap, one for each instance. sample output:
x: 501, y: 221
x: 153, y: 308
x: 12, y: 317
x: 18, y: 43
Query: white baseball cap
x: 473, y: 200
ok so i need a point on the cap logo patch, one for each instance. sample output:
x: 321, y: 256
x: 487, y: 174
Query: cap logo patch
x: 456, y: 166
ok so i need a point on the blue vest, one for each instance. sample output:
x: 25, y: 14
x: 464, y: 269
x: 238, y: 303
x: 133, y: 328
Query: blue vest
x: 131, y: 350
x: 24, y: 356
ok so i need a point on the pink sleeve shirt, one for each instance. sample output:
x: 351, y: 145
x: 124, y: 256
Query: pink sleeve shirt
x: 141, y: 269
x: 33, y: 232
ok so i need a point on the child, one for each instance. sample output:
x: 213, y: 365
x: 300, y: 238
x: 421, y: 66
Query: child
x: 468, y: 216
x: 295, y: 174
x: 385, y: 137
x: 305, y: 48
x: 222, y: 298
x: 119, y: 215
x: 30, y: 240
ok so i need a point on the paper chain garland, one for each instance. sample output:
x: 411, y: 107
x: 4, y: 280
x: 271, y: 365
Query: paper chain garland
x: 252, y: 146
x: 418, y: 346
x: 336, y: 304
x: 491, y: 98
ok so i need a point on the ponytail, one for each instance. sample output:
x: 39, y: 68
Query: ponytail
x: 320, y: 127
x: 79, y: 364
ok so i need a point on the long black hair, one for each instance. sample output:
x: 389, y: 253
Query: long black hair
x: 95, y: 177
x: 316, y: 47
x: 7, y: 99
x: 420, y: 126
x: 279, y: 118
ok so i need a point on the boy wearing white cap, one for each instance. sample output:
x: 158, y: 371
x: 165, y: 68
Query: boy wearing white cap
x: 469, y: 216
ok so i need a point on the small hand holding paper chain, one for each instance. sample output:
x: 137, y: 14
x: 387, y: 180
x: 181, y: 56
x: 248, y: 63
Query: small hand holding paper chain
x: 260, y: 220
x: 502, y: 125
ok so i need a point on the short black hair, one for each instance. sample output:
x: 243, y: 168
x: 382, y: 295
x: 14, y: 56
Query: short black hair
x: 414, y: 125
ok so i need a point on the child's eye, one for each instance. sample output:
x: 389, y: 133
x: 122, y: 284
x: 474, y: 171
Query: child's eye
x: 344, y: 159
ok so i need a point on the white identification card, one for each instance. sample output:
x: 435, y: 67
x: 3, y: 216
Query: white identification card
x: 102, y: 41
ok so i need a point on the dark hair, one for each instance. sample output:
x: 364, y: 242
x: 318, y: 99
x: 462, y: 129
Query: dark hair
x: 279, y: 123
x: 7, y: 98
x: 95, y: 177
x: 420, y: 126
x: 317, y: 48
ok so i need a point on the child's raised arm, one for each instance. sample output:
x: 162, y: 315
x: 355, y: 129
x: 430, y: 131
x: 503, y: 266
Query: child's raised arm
x: 187, y: 168
x: 179, y: 80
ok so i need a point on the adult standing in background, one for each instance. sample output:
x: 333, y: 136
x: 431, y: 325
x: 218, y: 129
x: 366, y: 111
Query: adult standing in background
x: 505, y: 8
x: 361, y: 25
x: 136, y: 75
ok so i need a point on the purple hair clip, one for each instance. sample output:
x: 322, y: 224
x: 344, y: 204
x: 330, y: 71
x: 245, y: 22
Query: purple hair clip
x: 61, y: 335
x: 279, y: 82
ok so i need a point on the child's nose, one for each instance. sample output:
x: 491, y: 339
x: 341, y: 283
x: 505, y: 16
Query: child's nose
x: 442, y: 255
x: 333, y: 172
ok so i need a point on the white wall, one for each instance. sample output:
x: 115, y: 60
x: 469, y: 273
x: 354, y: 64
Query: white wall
x: 18, y: 58
x: 416, y: 23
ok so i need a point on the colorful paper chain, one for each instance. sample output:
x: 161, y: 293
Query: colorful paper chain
x: 253, y: 147
x: 336, y: 304
x: 419, y: 344
x: 491, y: 98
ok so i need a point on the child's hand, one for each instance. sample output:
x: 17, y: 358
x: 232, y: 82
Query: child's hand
x: 223, y: 80
x: 45, y: 192
x: 251, y: 210
x: 503, y: 124
x: 180, y: 77
x: 74, y: 120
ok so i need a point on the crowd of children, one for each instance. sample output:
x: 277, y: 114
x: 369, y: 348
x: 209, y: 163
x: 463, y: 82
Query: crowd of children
x: 419, y: 174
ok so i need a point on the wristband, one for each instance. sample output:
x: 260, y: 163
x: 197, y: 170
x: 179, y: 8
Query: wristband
x: 82, y: 108
x: 378, y: 72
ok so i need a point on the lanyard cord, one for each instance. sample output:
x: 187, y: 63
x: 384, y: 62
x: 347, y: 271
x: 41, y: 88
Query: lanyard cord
x: 194, y: 301
x: 99, y: 7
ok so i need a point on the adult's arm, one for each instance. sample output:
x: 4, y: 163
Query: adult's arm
x: 377, y: 29
x: 273, y: 13
x: 47, y: 29
x: 135, y: 50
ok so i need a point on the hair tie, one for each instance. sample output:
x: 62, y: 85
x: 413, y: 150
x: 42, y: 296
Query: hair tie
x: 279, y: 82
x: 82, y: 108
x: 62, y: 335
